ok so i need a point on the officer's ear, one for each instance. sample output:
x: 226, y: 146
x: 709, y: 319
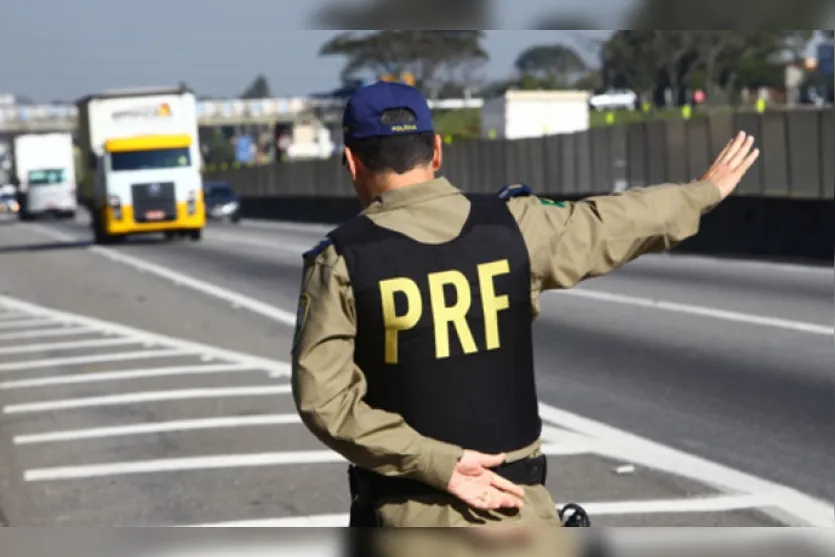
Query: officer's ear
x: 351, y: 162
x: 438, y: 155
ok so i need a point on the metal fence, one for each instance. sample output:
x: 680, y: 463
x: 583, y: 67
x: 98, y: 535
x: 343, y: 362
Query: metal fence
x: 797, y: 160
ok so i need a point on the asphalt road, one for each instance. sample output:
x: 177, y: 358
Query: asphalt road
x: 734, y: 366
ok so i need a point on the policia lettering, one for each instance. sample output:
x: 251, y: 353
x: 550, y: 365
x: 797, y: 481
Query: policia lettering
x: 443, y: 315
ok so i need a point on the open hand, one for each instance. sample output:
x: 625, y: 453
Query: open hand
x: 474, y: 483
x: 732, y: 163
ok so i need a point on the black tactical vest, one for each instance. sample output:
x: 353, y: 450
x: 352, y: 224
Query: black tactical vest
x: 469, y: 383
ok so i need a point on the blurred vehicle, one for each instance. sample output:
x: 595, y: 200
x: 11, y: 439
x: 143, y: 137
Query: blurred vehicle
x: 44, y: 172
x: 142, y: 163
x: 614, y: 99
x: 8, y: 203
x: 221, y: 202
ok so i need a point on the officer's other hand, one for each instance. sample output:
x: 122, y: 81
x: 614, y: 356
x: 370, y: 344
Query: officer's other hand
x: 732, y: 163
x: 474, y: 483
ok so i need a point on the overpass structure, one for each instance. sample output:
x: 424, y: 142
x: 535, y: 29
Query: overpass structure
x: 212, y: 112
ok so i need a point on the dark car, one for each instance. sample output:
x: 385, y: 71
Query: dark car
x: 221, y: 202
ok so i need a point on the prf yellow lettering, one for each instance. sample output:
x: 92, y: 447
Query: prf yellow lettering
x: 442, y: 315
x: 395, y: 323
x: 491, y: 303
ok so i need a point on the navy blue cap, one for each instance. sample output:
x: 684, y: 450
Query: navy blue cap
x: 363, y: 112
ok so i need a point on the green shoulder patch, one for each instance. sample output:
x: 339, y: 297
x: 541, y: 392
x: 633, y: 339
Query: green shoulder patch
x: 545, y: 201
x: 301, y: 316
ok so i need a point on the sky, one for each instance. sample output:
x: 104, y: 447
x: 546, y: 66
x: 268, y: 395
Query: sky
x: 63, y: 49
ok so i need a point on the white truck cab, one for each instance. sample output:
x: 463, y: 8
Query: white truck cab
x: 44, y: 174
x: 142, y: 163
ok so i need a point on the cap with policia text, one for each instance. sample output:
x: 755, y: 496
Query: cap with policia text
x: 364, y: 112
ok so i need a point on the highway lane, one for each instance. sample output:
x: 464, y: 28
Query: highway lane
x: 754, y: 397
x: 724, y: 390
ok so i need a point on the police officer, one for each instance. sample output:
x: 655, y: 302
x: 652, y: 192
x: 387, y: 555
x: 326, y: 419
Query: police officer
x: 413, y: 355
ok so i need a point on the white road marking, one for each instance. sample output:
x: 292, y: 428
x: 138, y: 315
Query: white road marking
x: 225, y: 294
x: 620, y: 444
x: 185, y: 347
x: 74, y: 345
x: 181, y: 464
x: 713, y: 504
x: 157, y: 427
x: 12, y: 316
x: 92, y: 359
x: 39, y: 322
x: 104, y: 376
x: 146, y: 396
x: 702, y: 311
x: 313, y: 521
x: 47, y: 333
x: 620, y: 508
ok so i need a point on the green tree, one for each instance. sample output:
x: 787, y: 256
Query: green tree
x: 554, y: 64
x: 219, y: 149
x: 433, y: 58
x: 258, y: 89
x: 628, y: 58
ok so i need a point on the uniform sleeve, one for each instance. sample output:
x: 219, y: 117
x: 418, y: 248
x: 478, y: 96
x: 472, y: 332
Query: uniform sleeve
x: 328, y: 388
x: 570, y: 242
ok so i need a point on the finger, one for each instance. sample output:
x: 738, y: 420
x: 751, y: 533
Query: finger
x: 748, y: 162
x: 505, y: 485
x: 724, y: 149
x: 507, y: 501
x: 736, y: 144
x: 743, y: 152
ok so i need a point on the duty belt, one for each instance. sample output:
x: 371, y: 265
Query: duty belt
x: 372, y: 487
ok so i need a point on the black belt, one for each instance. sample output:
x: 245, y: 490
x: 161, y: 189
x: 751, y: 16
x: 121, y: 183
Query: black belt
x: 370, y: 486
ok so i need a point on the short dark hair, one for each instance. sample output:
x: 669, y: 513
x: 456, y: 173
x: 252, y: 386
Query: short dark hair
x: 396, y: 153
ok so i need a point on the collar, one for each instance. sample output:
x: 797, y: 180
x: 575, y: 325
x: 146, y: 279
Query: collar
x: 411, y: 194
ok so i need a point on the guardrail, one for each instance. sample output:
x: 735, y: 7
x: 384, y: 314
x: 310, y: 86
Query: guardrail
x: 222, y: 112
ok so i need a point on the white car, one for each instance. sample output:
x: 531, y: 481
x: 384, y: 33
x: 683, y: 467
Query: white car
x: 614, y: 99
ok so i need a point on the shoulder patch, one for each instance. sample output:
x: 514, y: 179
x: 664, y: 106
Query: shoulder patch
x: 546, y: 201
x: 301, y: 316
x: 514, y: 190
x: 318, y: 248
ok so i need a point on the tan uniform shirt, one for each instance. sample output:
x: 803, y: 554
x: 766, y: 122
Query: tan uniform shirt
x: 567, y: 243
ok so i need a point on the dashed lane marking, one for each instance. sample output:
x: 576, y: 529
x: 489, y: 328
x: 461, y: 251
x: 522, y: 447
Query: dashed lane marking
x: 106, y: 376
x: 157, y: 427
x: 25, y: 323
x: 181, y: 464
x: 74, y: 345
x: 176, y: 347
x: 47, y: 333
x: 94, y: 359
x: 146, y: 396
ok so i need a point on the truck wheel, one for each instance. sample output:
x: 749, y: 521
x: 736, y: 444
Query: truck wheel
x: 170, y: 235
x: 102, y: 238
x: 195, y: 235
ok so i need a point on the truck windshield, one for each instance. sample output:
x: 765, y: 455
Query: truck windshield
x: 150, y: 160
x: 45, y: 177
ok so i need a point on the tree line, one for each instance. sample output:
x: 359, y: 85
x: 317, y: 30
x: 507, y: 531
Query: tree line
x: 449, y: 63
